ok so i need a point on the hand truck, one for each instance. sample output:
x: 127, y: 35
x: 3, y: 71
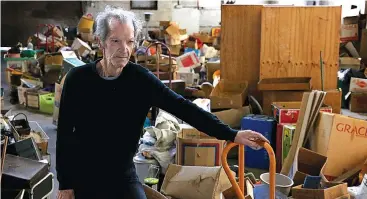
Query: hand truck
x: 158, y: 72
x: 240, y: 189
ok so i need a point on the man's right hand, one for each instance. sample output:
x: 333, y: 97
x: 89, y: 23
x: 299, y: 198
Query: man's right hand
x: 65, y: 194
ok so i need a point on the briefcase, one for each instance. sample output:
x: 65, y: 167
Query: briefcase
x: 22, y: 173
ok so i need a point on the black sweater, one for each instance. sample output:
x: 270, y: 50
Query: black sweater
x: 100, y: 122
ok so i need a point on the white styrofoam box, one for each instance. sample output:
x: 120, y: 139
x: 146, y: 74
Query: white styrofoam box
x: 189, y: 77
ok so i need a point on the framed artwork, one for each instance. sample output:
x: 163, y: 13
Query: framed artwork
x: 143, y: 5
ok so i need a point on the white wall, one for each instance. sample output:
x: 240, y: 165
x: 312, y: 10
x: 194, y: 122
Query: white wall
x: 194, y: 19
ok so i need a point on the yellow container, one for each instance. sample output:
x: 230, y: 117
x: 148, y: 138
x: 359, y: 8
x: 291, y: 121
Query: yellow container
x: 86, y: 23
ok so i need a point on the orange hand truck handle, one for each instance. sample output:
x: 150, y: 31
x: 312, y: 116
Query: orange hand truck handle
x: 240, y: 189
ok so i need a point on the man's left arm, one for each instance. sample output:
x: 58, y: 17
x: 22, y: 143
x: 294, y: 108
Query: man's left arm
x: 168, y: 100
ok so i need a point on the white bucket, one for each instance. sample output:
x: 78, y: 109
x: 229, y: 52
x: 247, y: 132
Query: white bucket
x: 282, y: 183
x: 142, y: 167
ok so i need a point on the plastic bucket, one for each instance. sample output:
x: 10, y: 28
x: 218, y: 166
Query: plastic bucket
x: 142, y: 167
x: 283, y: 183
x: 86, y: 23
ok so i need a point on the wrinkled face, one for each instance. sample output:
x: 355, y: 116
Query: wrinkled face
x: 119, y: 44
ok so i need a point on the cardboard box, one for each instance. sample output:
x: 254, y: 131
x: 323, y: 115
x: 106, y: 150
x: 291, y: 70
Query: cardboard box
x: 333, y: 99
x: 54, y: 59
x: 175, y: 49
x: 216, y: 32
x: 349, y: 32
x: 169, y: 40
x: 287, y: 112
x: 349, y: 62
x: 228, y: 94
x: 342, y: 139
x: 81, y: 47
x: 211, y: 67
x: 338, y: 191
x: 307, y: 163
x: 174, y: 31
x: 87, y: 36
x: 233, y: 117
x: 358, y: 102
x: 291, y: 84
x: 195, y: 148
x: 203, y: 37
x: 194, y: 182
x: 189, y: 132
x: 358, y: 85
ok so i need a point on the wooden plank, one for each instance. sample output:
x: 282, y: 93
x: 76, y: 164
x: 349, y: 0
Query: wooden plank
x: 298, y: 137
x: 240, y: 41
x: 310, y: 107
x: 291, y: 41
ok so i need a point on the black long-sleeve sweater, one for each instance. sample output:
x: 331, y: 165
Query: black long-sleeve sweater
x: 100, y: 122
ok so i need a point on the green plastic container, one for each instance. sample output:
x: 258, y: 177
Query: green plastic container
x: 47, y: 103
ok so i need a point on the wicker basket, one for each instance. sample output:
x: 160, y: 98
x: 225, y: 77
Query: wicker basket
x: 152, y: 194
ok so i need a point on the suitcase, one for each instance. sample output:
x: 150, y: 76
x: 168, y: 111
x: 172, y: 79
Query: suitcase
x: 266, y: 126
x: 22, y: 173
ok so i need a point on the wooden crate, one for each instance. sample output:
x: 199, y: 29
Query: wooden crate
x: 240, y: 36
x: 291, y: 41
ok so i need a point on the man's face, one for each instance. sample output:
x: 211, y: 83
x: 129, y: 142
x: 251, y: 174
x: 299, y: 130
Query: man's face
x: 119, y: 44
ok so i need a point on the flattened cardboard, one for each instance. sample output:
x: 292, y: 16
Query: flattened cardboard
x: 193, y: 182
x: 337, y: 191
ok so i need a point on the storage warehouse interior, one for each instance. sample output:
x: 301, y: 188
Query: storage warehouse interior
x: 207, y: 99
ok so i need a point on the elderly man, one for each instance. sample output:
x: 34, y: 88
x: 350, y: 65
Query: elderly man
x: 103, y: 108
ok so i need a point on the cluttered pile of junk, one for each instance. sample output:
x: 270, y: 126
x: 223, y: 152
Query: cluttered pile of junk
x: 294, y: 100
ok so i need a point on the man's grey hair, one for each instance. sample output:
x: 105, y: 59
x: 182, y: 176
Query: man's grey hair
x: 103, y: 20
